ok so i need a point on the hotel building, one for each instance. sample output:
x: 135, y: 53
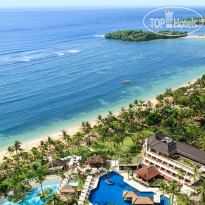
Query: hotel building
x: 169, y: 157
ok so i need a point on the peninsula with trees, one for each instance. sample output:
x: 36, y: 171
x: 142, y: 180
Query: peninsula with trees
x: 132, y: 35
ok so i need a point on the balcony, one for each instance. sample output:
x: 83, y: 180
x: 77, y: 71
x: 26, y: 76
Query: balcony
x: 172, y: 162
x: 161, y: 165
x: 168, y: 172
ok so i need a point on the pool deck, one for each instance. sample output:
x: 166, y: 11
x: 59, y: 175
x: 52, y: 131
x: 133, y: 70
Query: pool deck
x: 131, y: 182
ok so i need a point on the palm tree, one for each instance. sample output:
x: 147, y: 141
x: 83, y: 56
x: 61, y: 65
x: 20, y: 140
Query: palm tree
x: 201, y: 142
x: 107, y: 167
x: 99, y: 119
x: 196, y: 172
x: 66, y: 137
x: 25, y: 156
x: 128, y: 169
x: 54, y: 200
x: 80, y: 176
x: 72, y: 143
x: 40, y: 178
x: 162, y: 187
x: 185, y: 198
x: 49, y: 142
x: 35, y: 153
x: 181, y: 173
x: 173, y: 189
x: 86, y: 127
x: 116, y: 149
x: 78, y: 137
x: 201, y: 192
x: 58, y: 147
x: 127, y: 158
x: 10, y: 150
x: 103, y: 131
x: 17, y: 147
x: 40, y: 173
x: 22, y: 190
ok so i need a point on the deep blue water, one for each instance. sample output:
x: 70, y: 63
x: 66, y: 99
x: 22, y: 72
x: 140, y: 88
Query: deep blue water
x: 104, y: 193
x: 56, y: 68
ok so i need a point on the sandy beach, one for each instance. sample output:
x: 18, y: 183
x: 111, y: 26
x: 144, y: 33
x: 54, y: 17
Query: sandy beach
x: 27, y: 147
x: 202, y: 37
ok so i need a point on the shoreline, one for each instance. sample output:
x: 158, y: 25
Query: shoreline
x: 55, y: 136
x: 201, y: 37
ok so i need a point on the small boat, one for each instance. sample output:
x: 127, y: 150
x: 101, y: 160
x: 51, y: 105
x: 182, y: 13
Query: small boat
x: 126, y: 81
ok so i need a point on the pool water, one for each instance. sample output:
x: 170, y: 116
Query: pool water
x: 72, y: 182
x: 32, y: 198
x: 104, y: 193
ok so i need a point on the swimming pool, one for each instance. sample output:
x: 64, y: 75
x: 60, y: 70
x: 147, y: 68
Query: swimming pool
x: 31, y: 198
x: 72, y: 182
x: 104, y: 193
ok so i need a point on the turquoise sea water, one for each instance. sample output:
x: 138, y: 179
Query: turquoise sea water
x: 105, y: 194
x: 57, y: 69
x: 32, y: 197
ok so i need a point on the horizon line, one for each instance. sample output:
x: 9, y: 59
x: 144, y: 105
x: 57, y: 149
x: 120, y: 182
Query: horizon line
x: 92, y: 7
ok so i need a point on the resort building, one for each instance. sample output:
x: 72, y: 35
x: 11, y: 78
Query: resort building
x: 56, y: 164
x: 174, y: 160
x: 67, y: 191
x: 96, y: 161
x: 139, y: 200
x: 146, y: 174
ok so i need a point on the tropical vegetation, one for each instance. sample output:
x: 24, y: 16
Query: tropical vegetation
x: 179, y: 113
x: 132, y: 35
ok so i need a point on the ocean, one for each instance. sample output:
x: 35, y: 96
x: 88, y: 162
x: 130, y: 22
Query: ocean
x: 57, y: 69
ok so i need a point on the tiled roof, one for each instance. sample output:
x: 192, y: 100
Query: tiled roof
x: 143, y: 200
x: 147, y: 172
x: 129, y: 194
x: 191, y: 152
x: 157, y: 142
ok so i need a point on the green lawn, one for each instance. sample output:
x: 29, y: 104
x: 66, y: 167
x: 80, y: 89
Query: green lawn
x: 127, y: 147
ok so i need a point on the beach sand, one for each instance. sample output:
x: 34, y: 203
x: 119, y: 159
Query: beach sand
x: 27, y: 147
x: 202, y: 37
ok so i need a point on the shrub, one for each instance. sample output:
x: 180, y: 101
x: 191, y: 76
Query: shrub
x: 153, y: 119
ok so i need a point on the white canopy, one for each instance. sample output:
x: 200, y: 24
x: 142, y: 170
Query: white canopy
x: 156, y: 198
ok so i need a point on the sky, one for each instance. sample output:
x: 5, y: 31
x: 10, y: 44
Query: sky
x: 98, y: 3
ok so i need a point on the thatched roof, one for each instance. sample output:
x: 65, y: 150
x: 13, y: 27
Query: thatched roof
x: 55, y: 162
x: 129, y: 194
x: 69, y: 189
x: 147, y: 172
x: 132, y: 195
x: 143, y: 200
x: 63, y: 197
x: 96, y: 160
